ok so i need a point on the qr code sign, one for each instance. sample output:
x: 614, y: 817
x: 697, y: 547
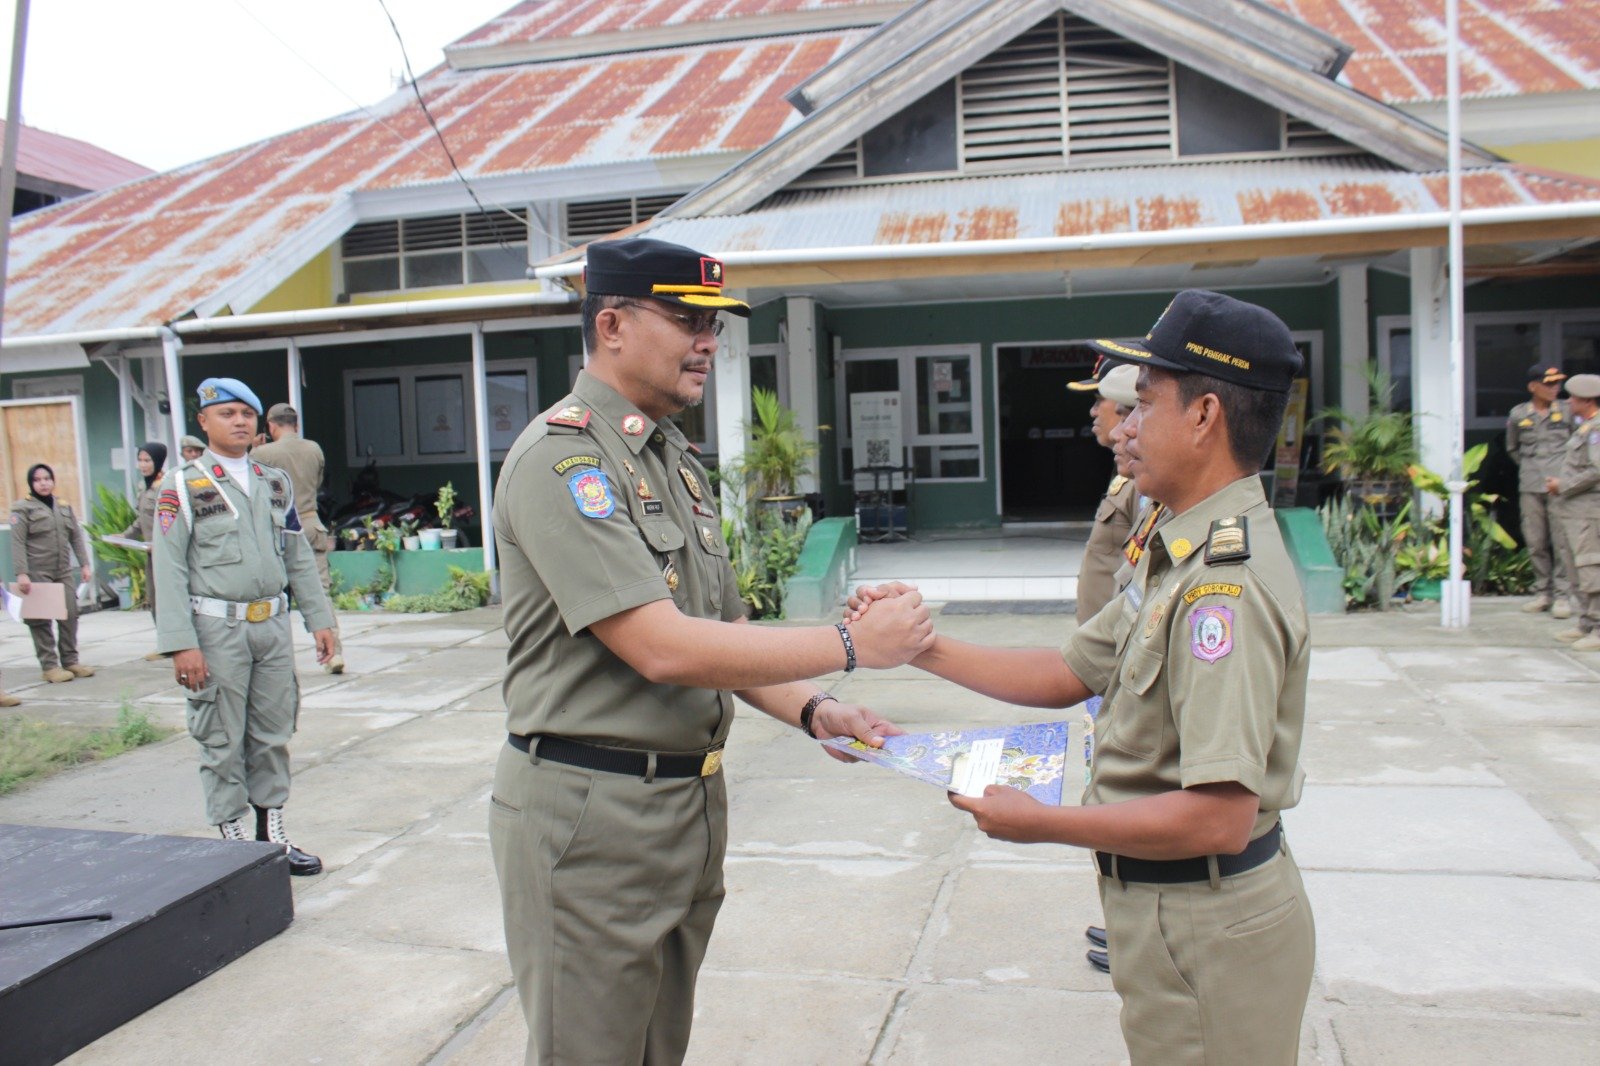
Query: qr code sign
x: 878, y: 452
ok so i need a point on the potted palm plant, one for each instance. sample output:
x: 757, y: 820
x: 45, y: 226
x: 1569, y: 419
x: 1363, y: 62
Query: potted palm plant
x: 777, y: 455
x: 1373, y: 452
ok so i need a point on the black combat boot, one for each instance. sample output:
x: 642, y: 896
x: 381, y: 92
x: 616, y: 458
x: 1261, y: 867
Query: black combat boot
x: 269, y: 826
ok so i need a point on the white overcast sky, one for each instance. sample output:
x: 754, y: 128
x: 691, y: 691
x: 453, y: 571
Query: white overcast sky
x: 167, y: 82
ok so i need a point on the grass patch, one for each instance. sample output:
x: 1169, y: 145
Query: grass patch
x: 33, y: 750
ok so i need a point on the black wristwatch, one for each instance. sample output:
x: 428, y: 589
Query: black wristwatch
x: 810, y: 709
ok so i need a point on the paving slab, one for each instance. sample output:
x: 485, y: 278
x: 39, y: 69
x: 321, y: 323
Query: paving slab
x: 870, y: 816
x: 461, y: 661
x: 419, y: 634
x: 396, y: 692
x: 1463, y: 830
x: 1403, y: 1038
x: 1393, y: 753
x: 960, y: 1026
x: 1435, y: 665
x: 352, y: 792
x: 451, y: 737
x: 323, y: 732
x: 1381, y: 702
x: 1350, y: 664
x: 761, y: 1018
x: 1545, y: 757
x: 1510, y: 704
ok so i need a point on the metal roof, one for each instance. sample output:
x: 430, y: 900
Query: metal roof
x: 1143, y: 199
x: 540, y: 20
x: 69, y: 161
x: 1509, y: 47
x: 190, y: 240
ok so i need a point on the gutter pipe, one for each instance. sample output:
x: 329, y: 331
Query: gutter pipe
x: 1396, y: 223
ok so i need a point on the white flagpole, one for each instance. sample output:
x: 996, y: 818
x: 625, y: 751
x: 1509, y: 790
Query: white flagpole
x: 1455, y: 604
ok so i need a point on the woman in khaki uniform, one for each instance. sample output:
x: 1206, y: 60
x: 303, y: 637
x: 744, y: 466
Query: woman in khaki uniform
x: 152, y: 464
x: 45, y: 538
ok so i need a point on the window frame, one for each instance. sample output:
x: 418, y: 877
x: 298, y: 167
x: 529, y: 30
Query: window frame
x: 906, y: 360
x: 401, y: 256
x: 407, y: 376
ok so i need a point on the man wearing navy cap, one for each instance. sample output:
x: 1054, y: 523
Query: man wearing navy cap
x: 1536, y: 440
x: 1202, y: 663
x: 228, y: 540
x: 608, y: 819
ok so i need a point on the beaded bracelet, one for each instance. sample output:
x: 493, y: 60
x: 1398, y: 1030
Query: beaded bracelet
x: 810, y: 709
x: 849, y: 646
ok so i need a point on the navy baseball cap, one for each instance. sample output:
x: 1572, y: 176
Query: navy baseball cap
x: 1546, y: 374
x: 226, y: 390
x: 1209, y: 333
x: 643, y: 266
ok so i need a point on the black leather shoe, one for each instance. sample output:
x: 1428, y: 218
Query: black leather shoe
x: 301, y: 864
x: 1100, y: 960
x: 1096, y: 936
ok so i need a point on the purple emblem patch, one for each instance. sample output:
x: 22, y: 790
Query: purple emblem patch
x: 1211, y: 633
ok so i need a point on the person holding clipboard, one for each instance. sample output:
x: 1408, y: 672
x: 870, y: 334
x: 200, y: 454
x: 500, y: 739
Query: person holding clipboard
x: 47, y: 545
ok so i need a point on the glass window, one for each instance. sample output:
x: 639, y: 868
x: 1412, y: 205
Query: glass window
x: 1501, y: 355
x: 441, y: 415
x: 497, y: 264
x: 937, y: 390
x: 1580, y: 346
x: 371, y: 275
x: 508, y: 409
x: 1400, y: 368
x: 378, y: 417
x: 919, y: 140
x: 944, y: 394
x: 1217, y: 119
x: 435, y: 268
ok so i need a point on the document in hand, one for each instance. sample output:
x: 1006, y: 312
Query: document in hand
x: 45, y: 599
x: 126, y: 542
x: 1028, y: 757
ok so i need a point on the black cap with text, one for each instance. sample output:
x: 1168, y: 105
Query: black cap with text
x: 1209, y: 333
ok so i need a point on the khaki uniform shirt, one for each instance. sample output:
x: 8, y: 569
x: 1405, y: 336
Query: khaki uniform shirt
x: 599, y: 510
x: 1202, y: 663
x: 213, y: 540
x: 145, y: 507
x: 44, y: 541
x: 1102, y: 555
x: 1579, y: 474
x: 302, y: 460
x: 1537, y: 442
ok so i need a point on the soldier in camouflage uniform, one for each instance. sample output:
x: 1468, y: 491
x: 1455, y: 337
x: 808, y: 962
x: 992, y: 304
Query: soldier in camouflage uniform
x: 228, y: 541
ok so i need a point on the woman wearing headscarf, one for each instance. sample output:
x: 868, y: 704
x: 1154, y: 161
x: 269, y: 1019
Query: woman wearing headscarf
x: 152, y: 464
x: 45, y: 539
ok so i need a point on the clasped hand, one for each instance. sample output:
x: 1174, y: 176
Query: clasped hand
x: 896, y: 633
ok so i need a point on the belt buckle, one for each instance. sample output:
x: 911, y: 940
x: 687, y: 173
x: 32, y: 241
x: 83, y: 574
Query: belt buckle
x: 259, y: 611
x: 712, y: 763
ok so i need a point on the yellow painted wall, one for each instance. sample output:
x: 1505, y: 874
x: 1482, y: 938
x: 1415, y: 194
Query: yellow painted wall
x: 448, y: 292
x: 1573, y: 157
x: 310, y: 286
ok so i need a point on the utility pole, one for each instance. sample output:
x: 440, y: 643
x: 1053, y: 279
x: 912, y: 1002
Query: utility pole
x: 8, y: 159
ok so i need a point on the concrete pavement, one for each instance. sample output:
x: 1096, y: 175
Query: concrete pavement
x: 1450, y: 833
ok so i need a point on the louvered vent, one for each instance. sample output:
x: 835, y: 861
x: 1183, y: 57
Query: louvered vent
x: 840, y: 168
x: 1119, y: 97
x: 1302, y: 136
x: 497, y: 226
x: 1012, y: 104
x: 371, y: 238
x: 439, y: 231
x: 599, y: 218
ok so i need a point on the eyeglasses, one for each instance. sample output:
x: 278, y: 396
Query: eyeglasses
x: 696, y: 324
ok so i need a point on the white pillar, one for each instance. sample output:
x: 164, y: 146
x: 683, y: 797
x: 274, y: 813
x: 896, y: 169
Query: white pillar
x: 294, y: 384
x: 801, y: 313
x: 1354, y: 348
x: 170, y: 345
x: 1430, y: 363
x: 732, y: 377
x: 480, y: 419
x: 130, y: 454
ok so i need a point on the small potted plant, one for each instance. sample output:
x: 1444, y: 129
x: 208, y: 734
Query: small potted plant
x: 408, y: 535
x: 445, y: 505
x: 1374, y: 452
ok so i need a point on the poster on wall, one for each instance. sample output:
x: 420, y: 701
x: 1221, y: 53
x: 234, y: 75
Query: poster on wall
x: 875, y: 436
x: 1286, y: 459
x: 441, y: 416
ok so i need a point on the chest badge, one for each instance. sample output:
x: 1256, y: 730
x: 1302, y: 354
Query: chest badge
x: 691, y: 482
x: 633, y: 425
x: 628, y: 467
x: 1211, y: 633
x: 708, y: 538
x: 670, y: 573
x: 644, y: 490
x: 1181, y: 548
x: 592, y: 492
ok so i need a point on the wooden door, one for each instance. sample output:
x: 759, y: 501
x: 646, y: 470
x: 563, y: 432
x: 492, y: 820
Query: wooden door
x: 43, y: 431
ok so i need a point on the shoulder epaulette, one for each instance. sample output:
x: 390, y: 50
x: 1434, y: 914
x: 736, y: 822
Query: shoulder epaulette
x: 574, y: 416
x: 1116, y: 485
x: 1228, y: 541
x: 693, y: 447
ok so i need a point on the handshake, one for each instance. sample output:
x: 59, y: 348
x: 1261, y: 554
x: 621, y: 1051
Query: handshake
x: 890, y: 624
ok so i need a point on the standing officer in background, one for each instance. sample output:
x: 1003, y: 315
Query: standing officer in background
x: 190, y: 447
x: 1577, y: 484
x: 228, y: 541
x: 302, y: 460
x: 1536, y: 440
x: 1202, y: 662
x: 45, y: 540
x: 1113, y: 520
x: 608, y: 820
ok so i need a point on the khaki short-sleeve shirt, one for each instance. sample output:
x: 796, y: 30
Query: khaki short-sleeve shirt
x: 598, y: 510
x: 1537, y: 442
x: 1202, y: 661
x: 1102, y: 554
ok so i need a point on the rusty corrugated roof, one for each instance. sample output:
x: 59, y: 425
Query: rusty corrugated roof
x: 1143, y: 199
x: 1509, y: 47
x: 538, y: 20
x: 69, y: 161
x: 171, y: 244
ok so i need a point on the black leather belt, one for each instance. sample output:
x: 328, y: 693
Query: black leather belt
x: 618, y: 760
x: 1182, y: 871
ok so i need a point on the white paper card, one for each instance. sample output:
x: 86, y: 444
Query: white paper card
x: 978, y: 767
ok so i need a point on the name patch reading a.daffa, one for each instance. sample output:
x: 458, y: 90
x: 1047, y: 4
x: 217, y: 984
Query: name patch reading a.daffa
x: 1212, y: 590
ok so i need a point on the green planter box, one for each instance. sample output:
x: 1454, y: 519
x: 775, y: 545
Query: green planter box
x: 419, y: 571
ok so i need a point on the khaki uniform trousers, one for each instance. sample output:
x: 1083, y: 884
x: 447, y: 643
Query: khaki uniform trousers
x: 610, y: 886
x: 1212, y: 976
x: 244, y: 718
x: 321, y: 542
x: 1582, y: 525
x: 1543, y: 533
x: 60, y: 647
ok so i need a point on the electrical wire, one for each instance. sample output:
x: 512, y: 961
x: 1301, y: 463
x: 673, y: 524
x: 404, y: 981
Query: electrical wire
x: 449, y: 155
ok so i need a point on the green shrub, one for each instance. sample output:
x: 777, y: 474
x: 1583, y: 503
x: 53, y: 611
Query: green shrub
x: 463, y: 592
x: 113, y: 514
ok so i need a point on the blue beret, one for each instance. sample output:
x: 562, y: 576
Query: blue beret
x: 226, y: 390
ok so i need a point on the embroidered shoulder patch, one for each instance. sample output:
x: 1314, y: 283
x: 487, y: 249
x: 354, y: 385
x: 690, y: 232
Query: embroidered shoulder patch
x: 1211, y: 633
x: 572, y: 415
x: 592, y: 493
x: 1228, y: 541
x: 576, y: 460
x: 1215, y: 589
x: 199, y: 482
x: 166, y: 508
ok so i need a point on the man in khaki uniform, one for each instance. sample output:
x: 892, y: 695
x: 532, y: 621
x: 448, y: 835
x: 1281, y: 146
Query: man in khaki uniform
x: 45, y: 540
x: 1202, y: 663
x: 608, y: 820
x: 1113, y: 519
x: 1577, y: 485
x: 302, y: 460
x: 1536, y: 439
x: 228, y: 539
x: 191, y: 447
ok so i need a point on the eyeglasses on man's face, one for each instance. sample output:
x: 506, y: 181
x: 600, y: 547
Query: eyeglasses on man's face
x: 695, y: 324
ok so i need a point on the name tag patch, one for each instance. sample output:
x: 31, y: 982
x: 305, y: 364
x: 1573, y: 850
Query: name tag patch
x: 592, y: 492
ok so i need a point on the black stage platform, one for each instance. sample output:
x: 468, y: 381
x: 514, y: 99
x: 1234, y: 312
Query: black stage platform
x: 180, y: 908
